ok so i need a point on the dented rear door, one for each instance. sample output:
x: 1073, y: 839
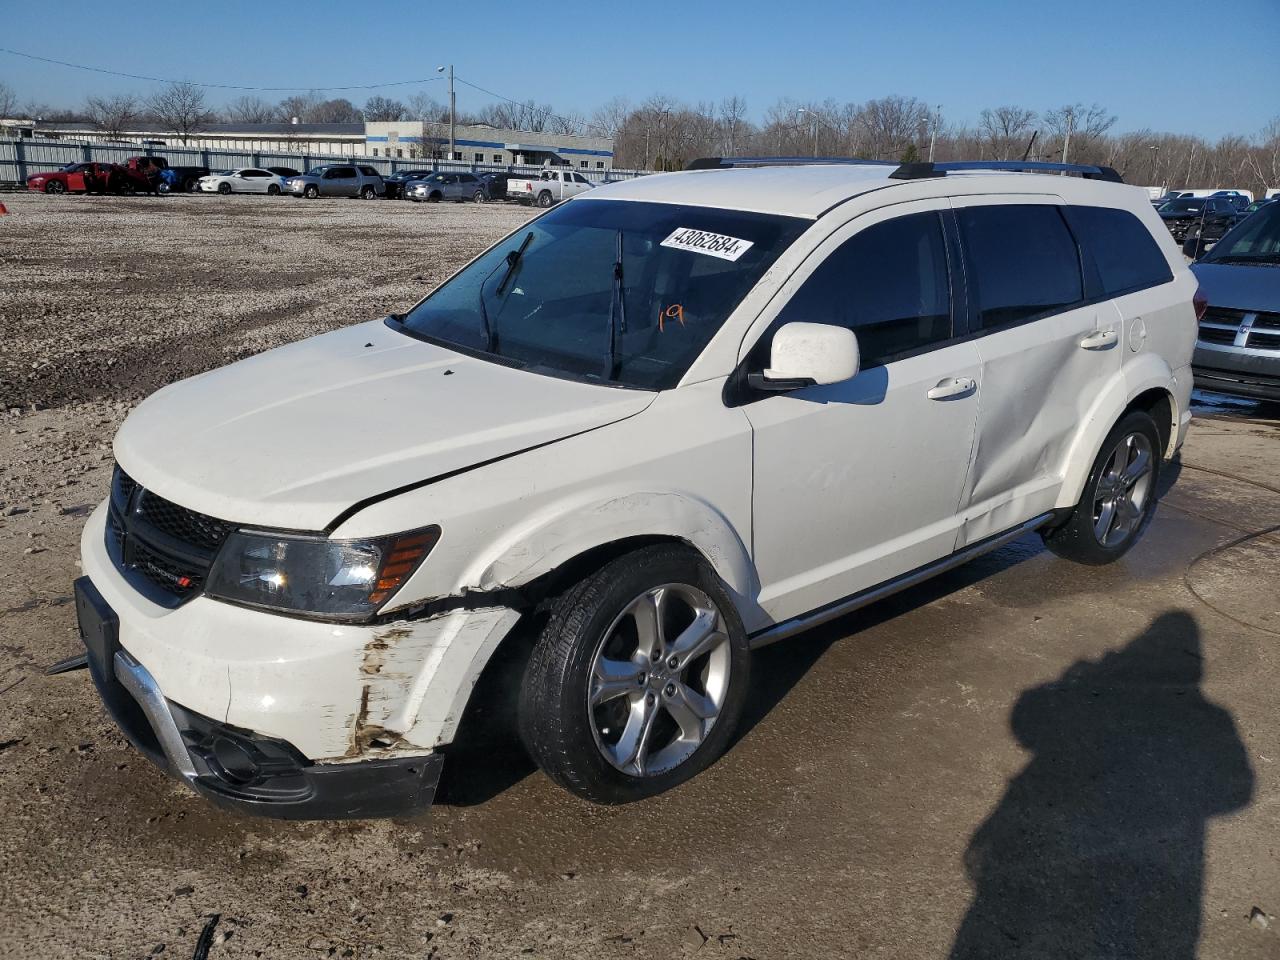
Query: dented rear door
x: 1044, y: 353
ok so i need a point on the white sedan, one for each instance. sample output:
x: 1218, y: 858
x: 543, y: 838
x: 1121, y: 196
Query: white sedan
x: 242, y: 180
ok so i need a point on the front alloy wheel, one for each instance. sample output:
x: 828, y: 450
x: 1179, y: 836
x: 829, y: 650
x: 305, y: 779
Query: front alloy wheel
x: 638, y: 677
x: 659, y: 679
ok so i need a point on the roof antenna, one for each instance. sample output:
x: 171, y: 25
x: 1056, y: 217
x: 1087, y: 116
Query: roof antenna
x: 1030, y: 143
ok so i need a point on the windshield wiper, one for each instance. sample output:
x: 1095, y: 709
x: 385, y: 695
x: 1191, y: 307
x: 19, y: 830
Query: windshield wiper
x: 512, y: 259
x: 617, y: 314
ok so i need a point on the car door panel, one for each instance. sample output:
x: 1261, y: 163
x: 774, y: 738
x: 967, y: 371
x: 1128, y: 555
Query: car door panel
x: 858, y: 482
x: 1040, y: 376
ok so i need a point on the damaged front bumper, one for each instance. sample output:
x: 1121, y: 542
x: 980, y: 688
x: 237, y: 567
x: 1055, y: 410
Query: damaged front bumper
x: 321, y: 709
x: 237, y: 768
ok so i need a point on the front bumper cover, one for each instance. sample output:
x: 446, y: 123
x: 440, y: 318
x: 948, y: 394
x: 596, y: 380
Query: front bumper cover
x: 237, y: 768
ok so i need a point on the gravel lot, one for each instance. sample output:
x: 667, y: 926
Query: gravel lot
x: 1023, y: 758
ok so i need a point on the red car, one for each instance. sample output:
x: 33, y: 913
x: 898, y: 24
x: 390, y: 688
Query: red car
x: 89, y: 178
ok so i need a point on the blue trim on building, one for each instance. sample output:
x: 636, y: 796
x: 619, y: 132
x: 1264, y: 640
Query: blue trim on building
x: 492, y: 145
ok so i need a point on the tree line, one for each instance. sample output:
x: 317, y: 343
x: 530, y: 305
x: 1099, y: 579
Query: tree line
x: 663, y: 133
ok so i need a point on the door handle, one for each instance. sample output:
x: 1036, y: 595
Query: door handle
x: 953, y: 388
x: 1102, y: 340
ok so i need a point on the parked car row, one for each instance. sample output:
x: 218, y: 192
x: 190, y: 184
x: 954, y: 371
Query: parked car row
x: 155, y: 175
x: 1208, y: 217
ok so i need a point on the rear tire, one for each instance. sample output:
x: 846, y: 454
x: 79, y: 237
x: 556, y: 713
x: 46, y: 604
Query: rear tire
x: 545, y: 199
x: 638, y: 678
x: 478, y: 197
x: 368, y: 193
x: 1119, y: 496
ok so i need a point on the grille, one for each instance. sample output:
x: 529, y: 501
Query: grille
x: 1210, y: 334
x: 1262, y: 340
x: 163, y: 549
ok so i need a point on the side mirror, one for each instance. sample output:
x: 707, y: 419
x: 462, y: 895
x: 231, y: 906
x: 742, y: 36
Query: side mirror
x: 806, y: 355
x: 1194, y: 247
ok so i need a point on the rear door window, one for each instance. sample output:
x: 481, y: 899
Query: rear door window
x: 1123, y: 251
x: 888, y: 283
x: 1022, y: 262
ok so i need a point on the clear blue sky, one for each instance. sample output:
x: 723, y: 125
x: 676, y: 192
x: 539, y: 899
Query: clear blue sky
x: 1187, y: 66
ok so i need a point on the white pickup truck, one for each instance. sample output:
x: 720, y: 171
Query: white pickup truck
x: 550, y: 187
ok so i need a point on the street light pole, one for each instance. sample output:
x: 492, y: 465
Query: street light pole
x: 814, y: 117
x: 933, y: 137
x: 453, y: 112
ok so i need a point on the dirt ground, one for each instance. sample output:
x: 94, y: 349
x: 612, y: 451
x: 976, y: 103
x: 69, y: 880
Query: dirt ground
x: 1022, y: 758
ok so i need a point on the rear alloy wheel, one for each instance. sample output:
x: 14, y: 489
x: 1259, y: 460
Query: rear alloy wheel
x: 1119, y: 496
x: 545, y: 199
x: 638, y: 679
x: 478, y: 197
x: 224, y: 188
x: 311, y: 192
x: 368, y: 193
x: 55, y: 186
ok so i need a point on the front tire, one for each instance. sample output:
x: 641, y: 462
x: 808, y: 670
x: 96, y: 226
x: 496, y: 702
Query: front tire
x: 638, y: 678
x: 311, y: 192
x: 1119, y: 497
x: 478, y: 197
x: 55, y: 187
x: 273, y: 190
x: 224, y: 188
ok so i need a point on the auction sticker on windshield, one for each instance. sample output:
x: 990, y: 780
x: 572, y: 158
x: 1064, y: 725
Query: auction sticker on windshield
x: 712, y: 244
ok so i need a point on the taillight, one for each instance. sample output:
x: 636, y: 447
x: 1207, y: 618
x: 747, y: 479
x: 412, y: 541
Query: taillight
x: 1201, y: 303
x: 528, y: 188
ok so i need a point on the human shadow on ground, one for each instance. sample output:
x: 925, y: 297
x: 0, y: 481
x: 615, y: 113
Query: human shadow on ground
x: 1097, y: 847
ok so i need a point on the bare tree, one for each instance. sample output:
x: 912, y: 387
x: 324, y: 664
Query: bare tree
x: 298, y: 106
x: 383, y: 109
x: 180, y: 109
x: 610, y: 117
x: 338, y: 110
x: 249, y: 109
x: 424, y: 107
x: 733, y: 121
x: 1079, y: 127
x: 890, y: 124
x: 1006, y: 131
x: 113, y: 115
x: 8, y: 101
x: 569, y: 126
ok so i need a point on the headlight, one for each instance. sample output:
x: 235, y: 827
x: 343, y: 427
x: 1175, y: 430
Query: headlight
x: 343, y: 579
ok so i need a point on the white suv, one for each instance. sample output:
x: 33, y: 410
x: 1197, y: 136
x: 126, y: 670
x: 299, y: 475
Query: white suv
x: 659, y: 425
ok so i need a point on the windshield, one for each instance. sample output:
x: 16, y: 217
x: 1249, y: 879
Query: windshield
x: 606, y: 290
x: 316, y: 171
x: 1183, y: 206
x: 1255, y: 240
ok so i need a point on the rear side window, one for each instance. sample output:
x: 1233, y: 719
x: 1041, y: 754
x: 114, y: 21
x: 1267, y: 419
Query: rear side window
x: 1022, y: 262
x: 888, y: 283
x: 1123, y: 250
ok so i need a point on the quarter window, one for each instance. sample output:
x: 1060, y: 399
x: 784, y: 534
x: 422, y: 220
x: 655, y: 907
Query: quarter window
x: 1021, y: 260
x: 1122, y: 249
x: 889, y: 284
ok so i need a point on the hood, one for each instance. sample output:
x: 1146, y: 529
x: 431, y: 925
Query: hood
x: 295, y: 436
x: 1240, y: 286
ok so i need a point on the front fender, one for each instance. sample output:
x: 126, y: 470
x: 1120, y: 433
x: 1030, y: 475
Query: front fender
x: 567, y: 529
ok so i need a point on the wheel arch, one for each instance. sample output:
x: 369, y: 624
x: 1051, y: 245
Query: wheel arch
x: 1147, y: 385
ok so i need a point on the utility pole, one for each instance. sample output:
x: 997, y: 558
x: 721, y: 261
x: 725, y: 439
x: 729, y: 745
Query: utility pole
x: 814, y: 117
x: 453, y: 112
x: 1066, y: 142
x: 933, y: 137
